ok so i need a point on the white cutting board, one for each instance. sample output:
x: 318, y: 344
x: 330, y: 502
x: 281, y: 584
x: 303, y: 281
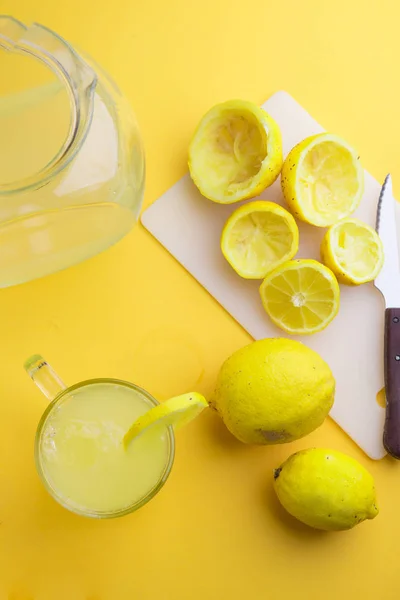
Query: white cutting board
x: 189, y: 227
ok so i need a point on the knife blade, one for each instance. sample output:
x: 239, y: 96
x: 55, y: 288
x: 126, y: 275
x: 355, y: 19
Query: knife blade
x: 388, y: 282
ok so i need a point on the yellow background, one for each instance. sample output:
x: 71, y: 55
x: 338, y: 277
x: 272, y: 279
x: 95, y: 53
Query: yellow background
x: 215, y: 531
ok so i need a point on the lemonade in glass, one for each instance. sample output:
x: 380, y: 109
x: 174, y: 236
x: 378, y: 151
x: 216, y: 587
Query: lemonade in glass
x: 79, y: 450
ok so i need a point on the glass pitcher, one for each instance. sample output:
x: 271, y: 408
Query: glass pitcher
x: 71, y: 158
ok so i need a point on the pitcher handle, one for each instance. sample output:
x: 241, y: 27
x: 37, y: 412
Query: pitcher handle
x: 44, y: 376
x: 59, y: 55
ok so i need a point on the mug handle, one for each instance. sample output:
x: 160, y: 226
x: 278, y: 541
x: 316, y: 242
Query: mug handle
x: 44, y: 376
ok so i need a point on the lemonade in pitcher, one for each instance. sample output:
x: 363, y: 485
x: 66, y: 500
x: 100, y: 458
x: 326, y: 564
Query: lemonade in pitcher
x: 71, y: 157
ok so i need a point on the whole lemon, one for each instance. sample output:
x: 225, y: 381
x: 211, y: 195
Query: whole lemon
x: 273, y: 391
x: 326, y: 489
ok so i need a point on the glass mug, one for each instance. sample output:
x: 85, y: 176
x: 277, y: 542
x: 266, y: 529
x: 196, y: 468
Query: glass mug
x: 79, y: 453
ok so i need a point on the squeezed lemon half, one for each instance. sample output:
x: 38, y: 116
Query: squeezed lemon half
x: 236, y: 152
x: 322, y: 180
x: 175, y: 412
x: 301, y: 296
x: 353, y: 251
x: 258, y: 237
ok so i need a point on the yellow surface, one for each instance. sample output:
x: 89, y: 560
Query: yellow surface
x: 216, y: 531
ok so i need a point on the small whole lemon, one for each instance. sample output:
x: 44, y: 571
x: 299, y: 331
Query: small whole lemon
x: 326, y: 489
x: 273, y: 391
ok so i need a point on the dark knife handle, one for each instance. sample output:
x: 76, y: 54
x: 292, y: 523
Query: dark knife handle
x: 391, y: 433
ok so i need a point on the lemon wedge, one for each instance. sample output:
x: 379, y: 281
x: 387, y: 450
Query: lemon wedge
x: 258, y: 237
x: 322, y: 180
x: 236, y: 152
x: 175, y: 412
x: 301, y: 296
x: 353, y: 251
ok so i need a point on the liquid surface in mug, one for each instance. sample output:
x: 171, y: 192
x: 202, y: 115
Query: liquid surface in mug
x: 82, y: 457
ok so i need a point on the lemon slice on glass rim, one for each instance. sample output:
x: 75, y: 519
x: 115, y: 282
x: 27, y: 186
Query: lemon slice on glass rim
x: 258, y: 237
x: 301, y: 296
x: 235, y: 152
x: 175, y: 412
x: 353, y: 251
x: 322, y: 180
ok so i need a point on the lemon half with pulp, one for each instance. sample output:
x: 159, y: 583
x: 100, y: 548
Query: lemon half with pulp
x: 301, y: 296
x: 236, y: 152
x: 322, y: 180
x: 353, y: 251
x: 175, y: 412
x: 258, y: 237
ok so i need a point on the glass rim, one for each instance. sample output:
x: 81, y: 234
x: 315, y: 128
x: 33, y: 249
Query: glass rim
x: 92, y: 513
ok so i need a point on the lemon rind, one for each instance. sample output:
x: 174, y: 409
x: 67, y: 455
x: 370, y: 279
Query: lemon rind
x: 272, y: 162
x: 291, y: 192
x: 344, y: 275
x: 260, y: 206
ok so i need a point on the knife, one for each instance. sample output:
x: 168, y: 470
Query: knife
x: 388, y: 282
